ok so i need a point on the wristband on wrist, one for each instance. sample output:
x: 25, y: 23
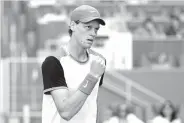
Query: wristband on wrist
x: 88, y: 84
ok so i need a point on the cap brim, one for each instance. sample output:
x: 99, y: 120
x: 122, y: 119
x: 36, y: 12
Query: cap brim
x: 101, y: 21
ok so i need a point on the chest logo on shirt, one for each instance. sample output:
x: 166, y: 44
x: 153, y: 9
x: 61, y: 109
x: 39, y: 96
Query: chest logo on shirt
x: 85, y: 85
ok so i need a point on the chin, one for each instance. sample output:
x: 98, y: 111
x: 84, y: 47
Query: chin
x: 87, y: 46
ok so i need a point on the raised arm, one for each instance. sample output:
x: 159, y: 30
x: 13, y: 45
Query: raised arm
x: 70, y: 104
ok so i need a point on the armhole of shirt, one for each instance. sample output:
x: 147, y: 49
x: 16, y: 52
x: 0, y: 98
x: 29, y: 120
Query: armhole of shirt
x: 53, y: 75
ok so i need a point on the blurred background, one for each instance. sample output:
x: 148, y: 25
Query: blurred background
x: 143, y: 43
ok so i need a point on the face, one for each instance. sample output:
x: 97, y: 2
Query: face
x: 163, y: 58
x: 123, y: 111
x: 175, y: 23
x: 85, y: 33
x: 167, y: 110
x: 150, y: 25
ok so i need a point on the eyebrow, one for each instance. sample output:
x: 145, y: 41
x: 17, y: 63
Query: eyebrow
x: 89, y: 24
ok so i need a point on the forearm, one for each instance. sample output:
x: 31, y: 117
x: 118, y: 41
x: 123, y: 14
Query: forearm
x: 72, y: 105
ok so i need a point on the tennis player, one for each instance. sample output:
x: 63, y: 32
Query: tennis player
x: 71, y: 81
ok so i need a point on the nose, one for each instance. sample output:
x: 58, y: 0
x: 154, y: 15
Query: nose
x: 93, y: 32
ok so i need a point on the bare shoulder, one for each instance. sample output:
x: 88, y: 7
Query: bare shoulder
x: 96, y: 54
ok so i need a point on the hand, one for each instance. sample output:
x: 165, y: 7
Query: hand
x: 97, y: 67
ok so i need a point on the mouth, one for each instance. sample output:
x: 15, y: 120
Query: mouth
x: 91, y: 40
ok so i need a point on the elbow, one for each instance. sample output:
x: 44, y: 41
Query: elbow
x: 66, y: 116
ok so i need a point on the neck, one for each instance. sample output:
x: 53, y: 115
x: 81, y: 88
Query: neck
x: 168, y: 118
x: 76, y: 51
x: 122, y: 120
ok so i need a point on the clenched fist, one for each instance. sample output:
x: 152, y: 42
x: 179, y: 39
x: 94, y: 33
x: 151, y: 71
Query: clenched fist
x: 97, y: 67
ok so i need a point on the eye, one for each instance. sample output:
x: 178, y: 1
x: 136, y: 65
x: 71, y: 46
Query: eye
x: 88, y: 27
x: 96, y: 29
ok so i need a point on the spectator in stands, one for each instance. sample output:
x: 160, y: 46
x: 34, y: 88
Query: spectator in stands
x: 182, y: 15
x: 167, y: 113
x: 148, y: 29
x: 31, y: 44
x: 124, y: 115
x: 174, y: 27
x: 162, y: 60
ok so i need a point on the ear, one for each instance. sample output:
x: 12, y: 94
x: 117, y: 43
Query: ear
x: 73, y: 26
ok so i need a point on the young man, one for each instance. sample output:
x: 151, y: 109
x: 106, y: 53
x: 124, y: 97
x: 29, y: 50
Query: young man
x: 71, y: 83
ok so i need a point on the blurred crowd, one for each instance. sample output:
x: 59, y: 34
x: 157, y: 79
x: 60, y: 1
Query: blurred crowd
x: 165, y: 112
x: 167, y: 24
x: 160, y: 61
x: 31, y: 28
